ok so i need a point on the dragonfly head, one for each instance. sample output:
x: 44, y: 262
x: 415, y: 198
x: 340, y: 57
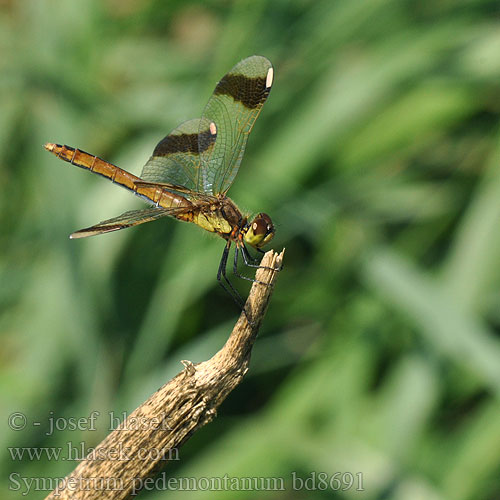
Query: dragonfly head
x: 260, y: 231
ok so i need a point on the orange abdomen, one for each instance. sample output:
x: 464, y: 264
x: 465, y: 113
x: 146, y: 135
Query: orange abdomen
x: 153, y: 194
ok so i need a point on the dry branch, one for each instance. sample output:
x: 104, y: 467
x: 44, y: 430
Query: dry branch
x: 172, y: 414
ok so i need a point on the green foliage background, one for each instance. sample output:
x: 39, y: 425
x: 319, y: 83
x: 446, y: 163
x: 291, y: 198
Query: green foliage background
x: 378, y: 157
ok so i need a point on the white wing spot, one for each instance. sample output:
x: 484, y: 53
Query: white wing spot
x: 269, y: 77
x: 213, y: 128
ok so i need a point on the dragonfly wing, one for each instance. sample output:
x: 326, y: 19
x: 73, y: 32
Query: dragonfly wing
x: 176, y: 158
x: 127, y: 219
x: 187, y: 193
x: 233, y: 107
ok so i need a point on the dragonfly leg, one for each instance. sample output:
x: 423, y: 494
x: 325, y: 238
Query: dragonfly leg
x: 246, y: 254
x: 235, y: 265
x: 229, y: 288
x: 221, y: 274
x: 247, y: 258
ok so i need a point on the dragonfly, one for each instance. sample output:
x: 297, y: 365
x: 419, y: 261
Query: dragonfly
x: 193, y: 167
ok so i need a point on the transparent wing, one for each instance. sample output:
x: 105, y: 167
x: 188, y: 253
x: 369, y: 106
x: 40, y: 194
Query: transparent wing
x: 233, y: 107
x: 127, y: 219
x: 176, y: 158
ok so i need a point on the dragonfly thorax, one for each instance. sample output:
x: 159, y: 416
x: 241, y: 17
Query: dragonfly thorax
x: 220, y: 216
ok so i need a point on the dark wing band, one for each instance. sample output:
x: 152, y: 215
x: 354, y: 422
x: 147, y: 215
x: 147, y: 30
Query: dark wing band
x: 233, y: 107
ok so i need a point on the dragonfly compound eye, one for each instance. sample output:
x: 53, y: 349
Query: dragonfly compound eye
x: 260, y: 231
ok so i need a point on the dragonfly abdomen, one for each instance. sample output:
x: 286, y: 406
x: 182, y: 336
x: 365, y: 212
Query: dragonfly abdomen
x: 155, y: 195
x: 93, y: 163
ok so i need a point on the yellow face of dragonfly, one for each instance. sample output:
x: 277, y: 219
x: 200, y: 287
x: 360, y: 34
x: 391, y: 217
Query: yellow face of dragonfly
x: 260, y: 231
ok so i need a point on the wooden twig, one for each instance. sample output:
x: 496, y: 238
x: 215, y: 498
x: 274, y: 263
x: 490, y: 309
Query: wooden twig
x: 146, y: 440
